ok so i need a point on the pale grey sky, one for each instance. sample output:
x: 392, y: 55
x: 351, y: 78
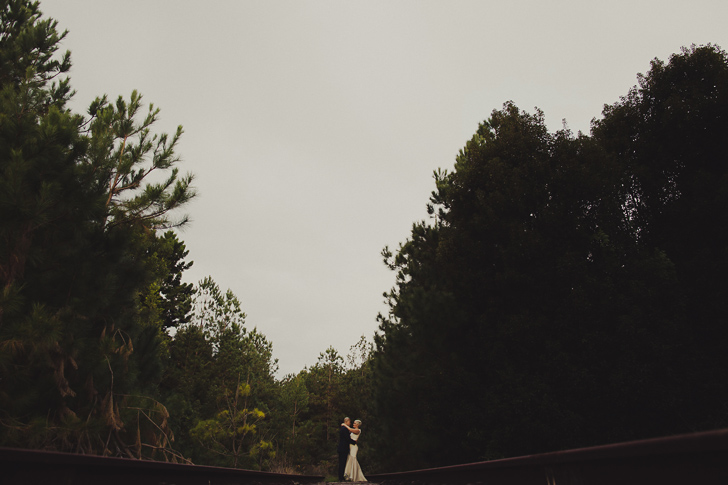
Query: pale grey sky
x: 313, y: 127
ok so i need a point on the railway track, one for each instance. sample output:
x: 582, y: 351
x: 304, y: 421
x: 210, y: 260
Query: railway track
x: 699, y: 458
x: 31, y: 467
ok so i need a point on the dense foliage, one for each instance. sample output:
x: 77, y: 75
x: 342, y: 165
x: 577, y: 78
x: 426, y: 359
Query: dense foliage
x: 103, y: 348
x: 568, y: 290
x: 80, y: 260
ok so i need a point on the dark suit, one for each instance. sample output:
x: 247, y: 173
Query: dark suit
x: 343, y: 449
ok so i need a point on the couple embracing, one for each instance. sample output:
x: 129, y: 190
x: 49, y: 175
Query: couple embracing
x: 349, y: 468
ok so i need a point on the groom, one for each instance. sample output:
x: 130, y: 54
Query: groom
x: 343, y: 449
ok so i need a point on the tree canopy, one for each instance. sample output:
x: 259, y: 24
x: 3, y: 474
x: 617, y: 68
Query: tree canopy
x: 567, y: 289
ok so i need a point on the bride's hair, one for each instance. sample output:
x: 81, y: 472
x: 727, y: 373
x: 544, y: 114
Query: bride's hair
x: 358, y: 421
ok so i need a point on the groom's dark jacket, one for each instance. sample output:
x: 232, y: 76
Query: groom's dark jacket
x: 344, y: 440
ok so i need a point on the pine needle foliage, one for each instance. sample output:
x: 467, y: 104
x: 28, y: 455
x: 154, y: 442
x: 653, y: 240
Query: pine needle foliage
x: 81, y: 354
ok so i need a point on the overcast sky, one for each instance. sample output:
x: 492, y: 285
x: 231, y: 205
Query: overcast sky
x: 313, y: 127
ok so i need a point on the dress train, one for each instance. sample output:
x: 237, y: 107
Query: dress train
x: 353, y: 470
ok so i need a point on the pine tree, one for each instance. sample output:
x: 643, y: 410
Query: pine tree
x: 79, y: 355
x: 219, y: 383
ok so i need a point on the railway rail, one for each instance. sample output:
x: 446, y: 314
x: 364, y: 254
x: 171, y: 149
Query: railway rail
x: 698, y: 458
x: 31, y: 467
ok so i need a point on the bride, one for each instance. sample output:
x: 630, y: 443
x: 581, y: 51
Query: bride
x: 353, y: 470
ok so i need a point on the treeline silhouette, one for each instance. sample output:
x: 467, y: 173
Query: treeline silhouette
x: 566, y: 291
x: 569, y: 290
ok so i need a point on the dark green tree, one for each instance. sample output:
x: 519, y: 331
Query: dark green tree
x: 219, y: 384
x: 668, y: 135
x: 314, y: 447
x: 295, y: 398
x: 79, y: 359
x: 186, y: 386
x: 295, y: 434
x: 175, y: 296
x: 325, y: 379
x: 524, y: 310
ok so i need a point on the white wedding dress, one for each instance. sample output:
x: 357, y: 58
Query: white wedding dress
x: 353, y: 470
